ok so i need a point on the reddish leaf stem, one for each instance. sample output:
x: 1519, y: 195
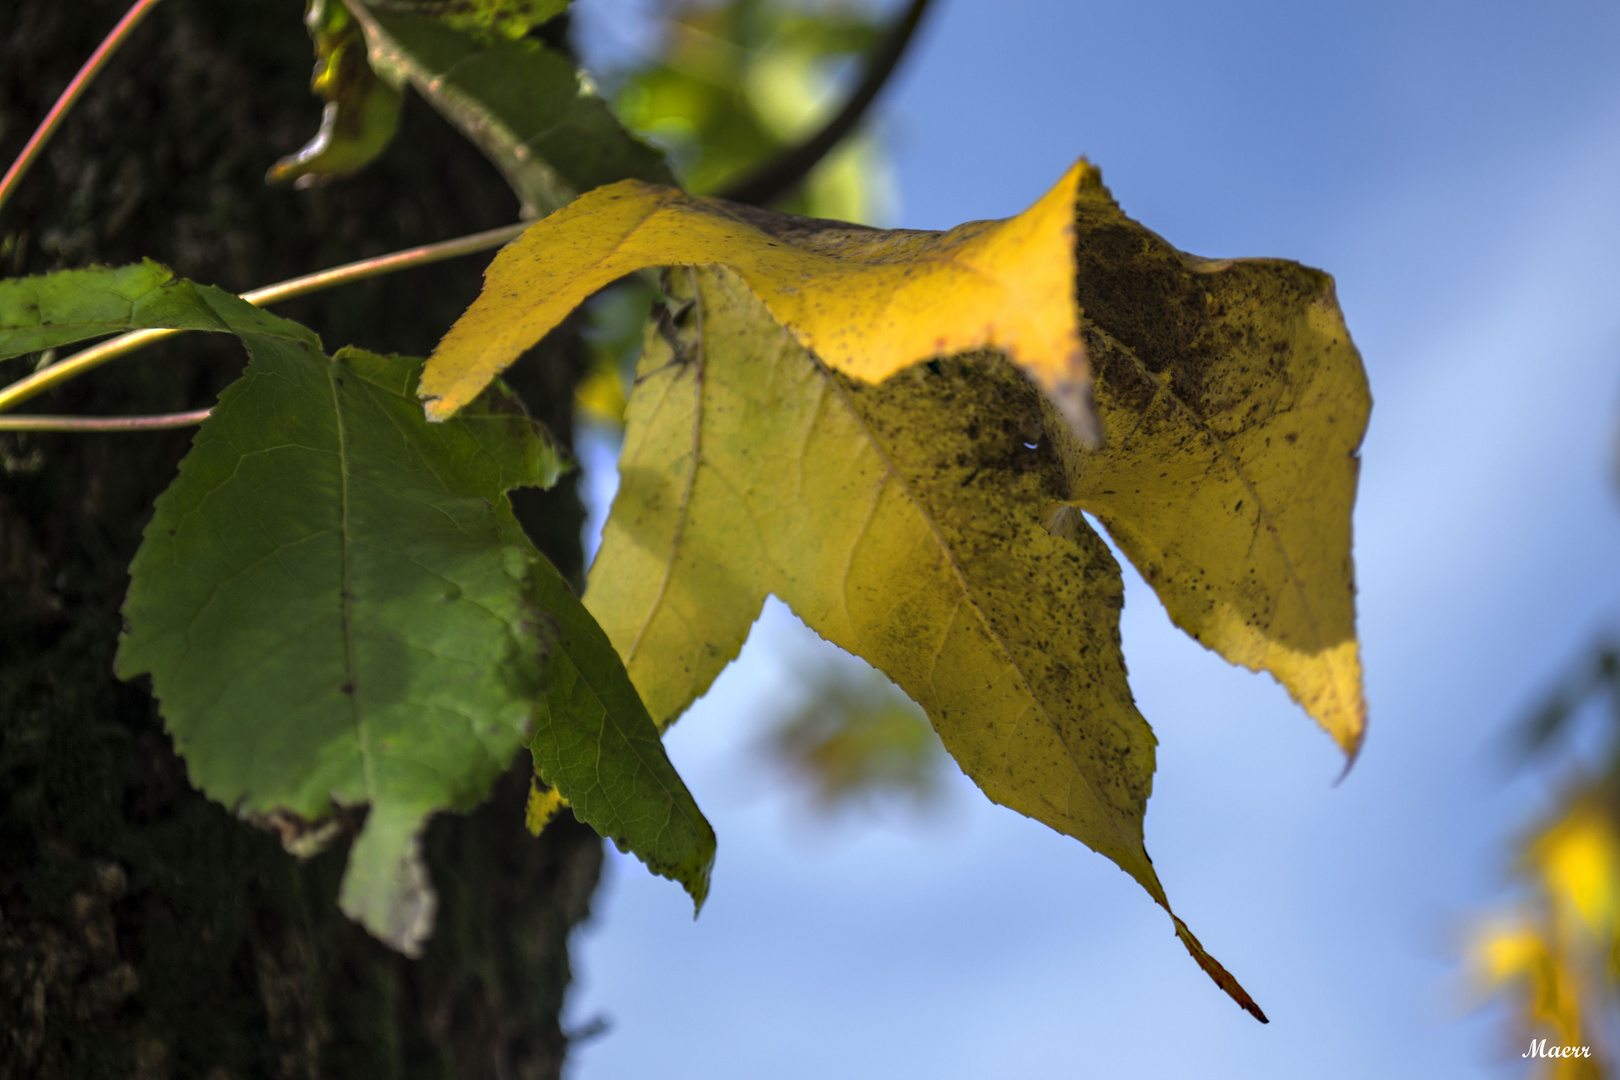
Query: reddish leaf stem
x: 84, y: 360
x: 53, y: 119
x: 104, y: 423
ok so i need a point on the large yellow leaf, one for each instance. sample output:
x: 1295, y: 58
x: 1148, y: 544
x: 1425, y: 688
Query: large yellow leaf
x: 902, y: 521
x: 1231, y: 398
x: 867, y: 302
x: 1232, y: 405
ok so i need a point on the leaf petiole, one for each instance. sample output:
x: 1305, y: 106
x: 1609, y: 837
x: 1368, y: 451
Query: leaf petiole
x: 75, y: 89
x: 160, y: 422
x: 124, y: 344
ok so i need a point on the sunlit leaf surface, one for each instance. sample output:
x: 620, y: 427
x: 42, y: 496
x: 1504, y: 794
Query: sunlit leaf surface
x: 868, y: 302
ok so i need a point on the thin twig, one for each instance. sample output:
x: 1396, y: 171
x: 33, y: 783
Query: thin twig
x: 83, y: 361
x: 104, y: 423
x: 779, y: 175
x: 384, y: 264
x: 53, y: 119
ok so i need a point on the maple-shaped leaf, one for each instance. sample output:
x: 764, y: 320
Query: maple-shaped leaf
x: 1223, y: 458
x: 903, y: 522
x: 1231, y: 404
x: 338, y: 609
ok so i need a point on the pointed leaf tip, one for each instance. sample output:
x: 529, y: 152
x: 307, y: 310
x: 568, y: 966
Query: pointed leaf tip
x: 750, y: 469
x: 1215, y: 971
x: 597, y: 747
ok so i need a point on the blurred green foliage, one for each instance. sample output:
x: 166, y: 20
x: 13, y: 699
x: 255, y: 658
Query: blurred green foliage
x: 1554, y: 952
x: 736, y: 83
x: 855, y: 740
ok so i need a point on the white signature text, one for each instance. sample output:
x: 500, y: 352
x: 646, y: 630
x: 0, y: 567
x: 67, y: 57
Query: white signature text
x: 1539, y: 1048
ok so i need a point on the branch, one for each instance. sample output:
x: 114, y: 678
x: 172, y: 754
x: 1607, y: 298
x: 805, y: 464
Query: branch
x: 124, y: 344
x: 53, y: 119
x: 779, y: 175
x: 103, y: 423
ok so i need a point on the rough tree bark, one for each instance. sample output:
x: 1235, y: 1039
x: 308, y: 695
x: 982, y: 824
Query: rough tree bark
x: 144, y: 931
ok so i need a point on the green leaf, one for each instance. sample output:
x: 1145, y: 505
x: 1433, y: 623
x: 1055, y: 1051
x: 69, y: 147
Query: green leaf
x: 595, y: 744
x: 48, y: 310
x: 338, y: 608
x: 331, y: 602
x: 528, y: 108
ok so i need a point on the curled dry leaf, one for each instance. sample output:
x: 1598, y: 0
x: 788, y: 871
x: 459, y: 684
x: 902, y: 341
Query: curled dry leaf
x: 362, y: 110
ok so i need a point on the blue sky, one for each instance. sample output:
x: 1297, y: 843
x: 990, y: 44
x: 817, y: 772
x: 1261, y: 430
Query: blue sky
x: 1456, y: 166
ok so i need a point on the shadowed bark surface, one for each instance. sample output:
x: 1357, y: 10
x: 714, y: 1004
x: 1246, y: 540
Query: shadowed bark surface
x: 144, y: 932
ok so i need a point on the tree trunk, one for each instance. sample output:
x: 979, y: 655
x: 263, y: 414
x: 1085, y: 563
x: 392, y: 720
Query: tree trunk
x: 144, y: 931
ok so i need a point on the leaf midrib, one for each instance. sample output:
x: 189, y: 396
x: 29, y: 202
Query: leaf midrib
x: 345, y: 594
x: 696, y: 362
